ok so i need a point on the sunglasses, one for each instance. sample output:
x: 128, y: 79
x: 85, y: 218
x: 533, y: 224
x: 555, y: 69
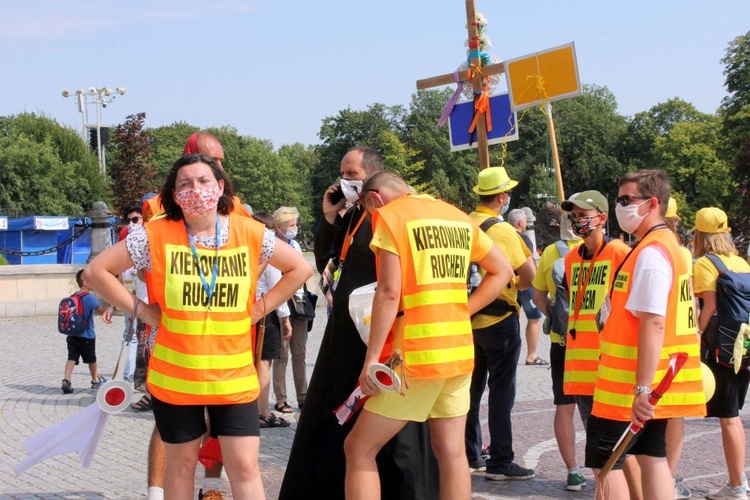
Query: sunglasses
x: 134, y: 220
x: 626, y: 200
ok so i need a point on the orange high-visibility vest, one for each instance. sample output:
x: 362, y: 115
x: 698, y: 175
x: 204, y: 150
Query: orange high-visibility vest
x: 435, y: 242
x: 203, y: 358
x: 613, y: 396
x: 586, y: 297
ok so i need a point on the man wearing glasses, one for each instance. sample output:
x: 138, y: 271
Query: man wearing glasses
x: 647, y: 316
x: 497, y: 337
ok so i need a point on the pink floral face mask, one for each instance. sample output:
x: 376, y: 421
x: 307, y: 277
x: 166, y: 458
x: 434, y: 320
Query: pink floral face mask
x: 198, y: 202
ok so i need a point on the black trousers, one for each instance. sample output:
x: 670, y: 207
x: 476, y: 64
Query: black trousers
x: 496, y: 352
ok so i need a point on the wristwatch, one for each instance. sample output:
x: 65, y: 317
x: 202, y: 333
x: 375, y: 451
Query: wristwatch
x: 640, y: 389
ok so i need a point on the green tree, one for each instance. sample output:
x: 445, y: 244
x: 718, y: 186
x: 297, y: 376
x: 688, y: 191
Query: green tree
x: 542, y: 187
x: 735, y: 113
x: 646, y: 127
x: 46, y: 169
x: 373, y: 127
x: 689, y: 155
x: 445, y: 174
x: 131, y: 166
x: 167, y: 144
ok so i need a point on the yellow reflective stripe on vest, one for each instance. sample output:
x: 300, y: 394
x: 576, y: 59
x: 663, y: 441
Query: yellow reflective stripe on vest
x: 206, y: 326
x: 203, y: 361
x: 579, y: 376
x: 443, y: 329
x: 579, y: 354
x: 433, y: 297
x: 669, y: 399
x: 244, y: 384
x: 618, y: 351
x: 439, y: 355
x: 627, y: 376
x: 584, y: 325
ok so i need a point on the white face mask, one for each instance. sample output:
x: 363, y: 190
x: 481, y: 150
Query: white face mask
x: 291, y: 233
x: 351, y: 189
x: 628, y: 218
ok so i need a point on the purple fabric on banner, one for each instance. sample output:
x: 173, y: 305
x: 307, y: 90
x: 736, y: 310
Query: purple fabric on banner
x: 452, y: 102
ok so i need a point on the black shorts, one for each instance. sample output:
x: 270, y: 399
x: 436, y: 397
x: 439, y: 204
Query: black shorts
x: 272, y: 338
x: 557, y: 369
x: 602, y: 434
x: 184, y: 423
x: 731, y: 390
x: 79, y: 347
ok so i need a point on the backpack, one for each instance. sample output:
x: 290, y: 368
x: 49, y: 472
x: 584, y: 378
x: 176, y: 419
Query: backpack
x: 497, y: 307
x: 70, y: 316
x: 559, y: 310
x: 732, y: 311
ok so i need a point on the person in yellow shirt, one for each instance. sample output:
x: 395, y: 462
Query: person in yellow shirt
x: 497, y: 337
x: 423, y: 248
x: 713, y: 236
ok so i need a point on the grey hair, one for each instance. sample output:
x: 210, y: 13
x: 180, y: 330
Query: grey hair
x: 515, y: 216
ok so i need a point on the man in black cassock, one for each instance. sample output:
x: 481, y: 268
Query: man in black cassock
x: 317, y: 465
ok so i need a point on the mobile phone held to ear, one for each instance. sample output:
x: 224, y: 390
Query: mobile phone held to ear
x: 336, y: 196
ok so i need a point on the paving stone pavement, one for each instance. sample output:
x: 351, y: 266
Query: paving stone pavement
x: 32, y: 366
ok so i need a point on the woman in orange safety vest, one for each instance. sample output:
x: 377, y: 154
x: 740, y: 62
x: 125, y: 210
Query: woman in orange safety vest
x: 203, y: 265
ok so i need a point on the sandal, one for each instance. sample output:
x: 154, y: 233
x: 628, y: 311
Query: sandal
x: 284, y: 408
x: 538, y: 362
x: 272, y: 421
x: 143, y: 404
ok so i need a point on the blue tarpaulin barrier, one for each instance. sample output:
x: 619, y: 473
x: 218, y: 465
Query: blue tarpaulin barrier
x: 36, y: 234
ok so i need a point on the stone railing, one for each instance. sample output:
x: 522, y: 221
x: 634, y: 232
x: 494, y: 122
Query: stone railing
x: 35, y: 290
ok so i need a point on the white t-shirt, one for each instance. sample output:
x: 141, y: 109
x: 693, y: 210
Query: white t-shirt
x: 652, y: 282
x: 140, y: 286
x: 267, y: 280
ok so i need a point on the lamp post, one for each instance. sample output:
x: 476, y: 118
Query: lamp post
x: 92, y: 128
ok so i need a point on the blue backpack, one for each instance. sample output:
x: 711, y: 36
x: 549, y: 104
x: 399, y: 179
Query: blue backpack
x: 732, y: 310
x: 71, y: 319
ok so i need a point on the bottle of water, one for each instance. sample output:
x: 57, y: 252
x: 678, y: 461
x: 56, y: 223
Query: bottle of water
x: 474, y: 277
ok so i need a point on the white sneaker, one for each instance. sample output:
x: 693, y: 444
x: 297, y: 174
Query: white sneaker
x: 727, y: 492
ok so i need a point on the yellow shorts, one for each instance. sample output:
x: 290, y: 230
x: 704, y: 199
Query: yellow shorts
x: 424, y: 399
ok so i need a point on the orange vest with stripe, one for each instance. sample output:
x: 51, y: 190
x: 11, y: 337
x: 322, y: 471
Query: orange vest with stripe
x: 613, y: 396
x: 582, y: 349
x: 201, y: 358
x: 434, y: 242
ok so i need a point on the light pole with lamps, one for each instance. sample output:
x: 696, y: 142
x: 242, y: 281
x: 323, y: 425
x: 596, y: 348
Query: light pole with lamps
x: 98, y: 97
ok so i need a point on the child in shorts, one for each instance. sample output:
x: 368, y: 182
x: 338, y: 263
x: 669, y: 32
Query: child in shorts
x: 83, y: 346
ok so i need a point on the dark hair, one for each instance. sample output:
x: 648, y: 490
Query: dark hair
x: 79, y: 279
x: 371, y: 160
x: 172, y: 210
x: 650, y: 183
x: 130, y: 209
x: 264, y: 218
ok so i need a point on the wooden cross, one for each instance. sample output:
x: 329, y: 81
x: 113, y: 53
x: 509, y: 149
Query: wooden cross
x: 476, y: 82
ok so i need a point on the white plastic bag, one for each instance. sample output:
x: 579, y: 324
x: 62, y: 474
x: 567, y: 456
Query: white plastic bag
x: 360, y: 309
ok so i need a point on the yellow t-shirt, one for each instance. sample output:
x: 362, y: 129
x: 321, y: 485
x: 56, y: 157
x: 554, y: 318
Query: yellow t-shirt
x: 515, y: 250
x: 705, y: 273
x: 688, y: 259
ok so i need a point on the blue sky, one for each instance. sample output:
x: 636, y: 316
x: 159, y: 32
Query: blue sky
x: 275, y: 69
